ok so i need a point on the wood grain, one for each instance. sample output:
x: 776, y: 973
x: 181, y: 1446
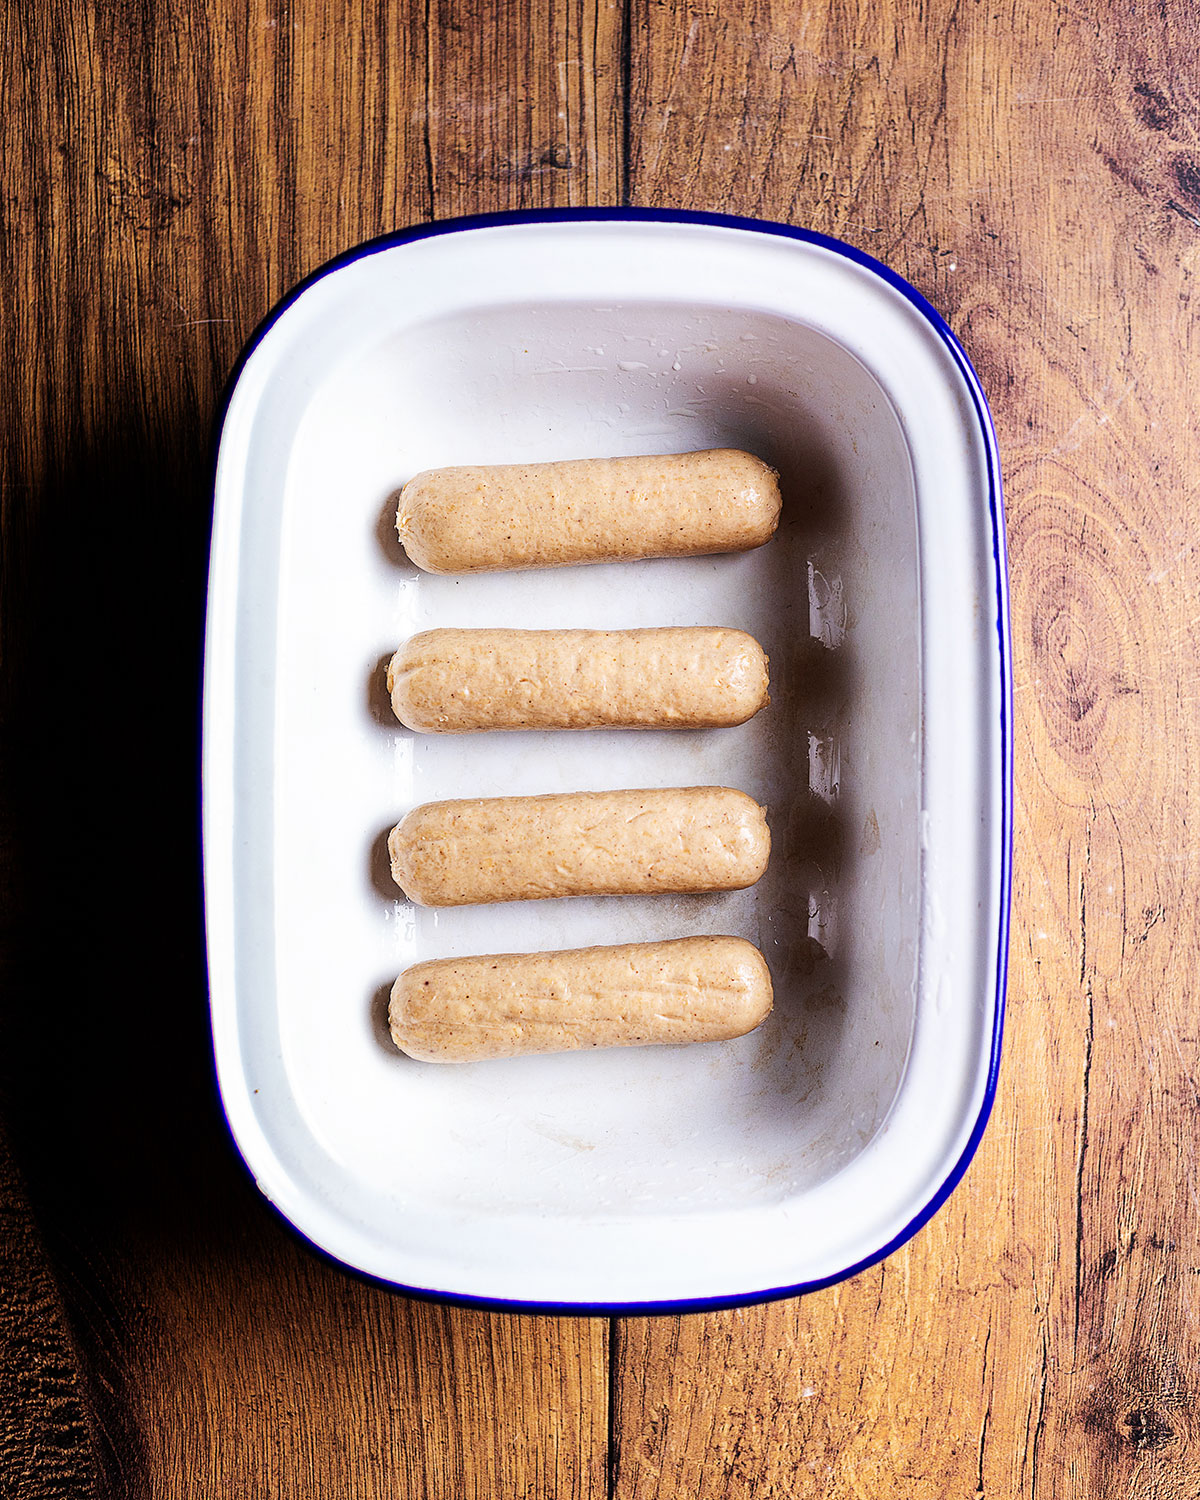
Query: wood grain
x: 524, y: 106
x: 167, y: 171
x: 47, y: 1448
x: 1039, y: 1337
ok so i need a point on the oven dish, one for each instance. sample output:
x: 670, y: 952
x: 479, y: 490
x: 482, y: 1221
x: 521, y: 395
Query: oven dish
x: 655, y: 1178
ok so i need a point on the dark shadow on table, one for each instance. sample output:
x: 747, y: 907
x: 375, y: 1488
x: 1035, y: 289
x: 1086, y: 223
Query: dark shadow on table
x: 106, y: 1057
x: 106, y: 1062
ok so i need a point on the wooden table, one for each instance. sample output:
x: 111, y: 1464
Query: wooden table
x: 168, y: 171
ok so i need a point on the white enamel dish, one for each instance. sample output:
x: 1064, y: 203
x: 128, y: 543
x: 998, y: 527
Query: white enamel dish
x: 650, y: 1178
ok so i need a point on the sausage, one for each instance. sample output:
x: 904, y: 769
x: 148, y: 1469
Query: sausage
x: 480, y: 519
x: 699, y: 838
x: 697, y: 989
x: 453, y: 681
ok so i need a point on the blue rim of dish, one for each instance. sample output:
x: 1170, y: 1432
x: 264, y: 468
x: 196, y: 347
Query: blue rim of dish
x: 1000, y: 563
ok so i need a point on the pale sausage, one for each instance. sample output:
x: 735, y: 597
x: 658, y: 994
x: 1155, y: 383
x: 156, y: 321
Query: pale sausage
x: 698, y: 989
x: 452, y: 681
x: 479, y: 519
x: 700, y: 838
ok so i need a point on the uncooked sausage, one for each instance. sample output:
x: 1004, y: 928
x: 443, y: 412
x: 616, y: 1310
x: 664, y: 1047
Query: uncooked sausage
x: 451, y: 681
x: 478, y: 519
x: 701, y: 838
x: 698, y: 989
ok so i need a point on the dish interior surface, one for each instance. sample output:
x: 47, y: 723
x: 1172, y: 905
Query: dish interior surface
x: 635, y: 1130
x: 494, y: 1179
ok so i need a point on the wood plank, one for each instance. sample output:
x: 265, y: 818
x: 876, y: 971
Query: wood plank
x: 168, y: 172
x: 310, y: 1383
x: 1034, y: 171
x: 525, y: 104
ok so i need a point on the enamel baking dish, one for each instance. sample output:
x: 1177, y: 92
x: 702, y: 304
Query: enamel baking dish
x: 649, y: 1178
